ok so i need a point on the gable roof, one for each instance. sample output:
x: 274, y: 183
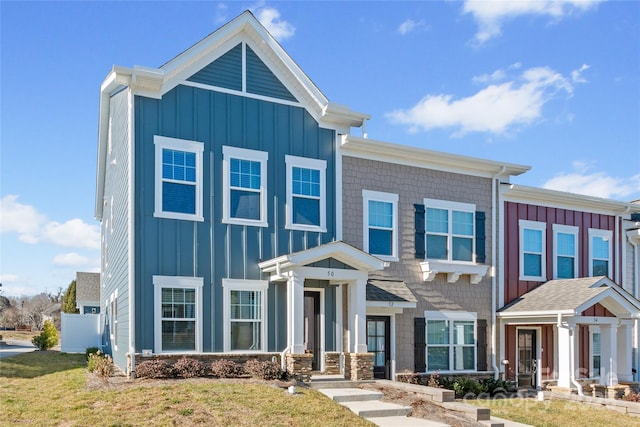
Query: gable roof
x: 155, y: 82
x: 383, y: 292
x: 87, y: 286
x: 571, y: 297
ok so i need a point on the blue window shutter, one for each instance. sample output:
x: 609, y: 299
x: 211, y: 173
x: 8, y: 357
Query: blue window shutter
x: 420, y: 231
x: 481, y: 237
x: 419, y: 344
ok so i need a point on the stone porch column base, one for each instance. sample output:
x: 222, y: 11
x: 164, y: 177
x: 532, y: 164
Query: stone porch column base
x: 358, y: 366
x: 299, y: 365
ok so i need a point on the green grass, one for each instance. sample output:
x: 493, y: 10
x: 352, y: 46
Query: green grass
x: 50, y: 388
x: 551, y: 413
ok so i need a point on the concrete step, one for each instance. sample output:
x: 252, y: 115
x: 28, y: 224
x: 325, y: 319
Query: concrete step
x: 373, y: 409
x: 318, y: 384
x: 341, y: 395
x: 405, y: 422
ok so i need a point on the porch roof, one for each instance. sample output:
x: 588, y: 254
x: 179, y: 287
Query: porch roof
x: 390, y: 293
x: 570, y: 297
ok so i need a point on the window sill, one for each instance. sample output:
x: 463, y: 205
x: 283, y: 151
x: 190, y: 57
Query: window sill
x: 248, y: 222
x: 532, y: 279
x: 453, y: 270
x: 310, y: 228
x: 386, y: 257
x: 179, y: 216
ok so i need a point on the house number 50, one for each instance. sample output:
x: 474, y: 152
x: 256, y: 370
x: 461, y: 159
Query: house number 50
x: 330, y: 273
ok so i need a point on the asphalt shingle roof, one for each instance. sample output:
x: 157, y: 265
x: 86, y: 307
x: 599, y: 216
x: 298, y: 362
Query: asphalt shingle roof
x: 389, y: 290
x: 87, y: 286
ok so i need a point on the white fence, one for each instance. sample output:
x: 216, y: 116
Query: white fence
x: 79, y: 331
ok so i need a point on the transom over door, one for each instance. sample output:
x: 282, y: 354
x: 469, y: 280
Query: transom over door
x: 378, y: 343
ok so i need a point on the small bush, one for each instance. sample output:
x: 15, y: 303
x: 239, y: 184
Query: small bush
x: 48, y: 337
x: 91, y: 350
x: 632, y: 397
x: 189, y: 368
x: 495, y: 386
x: 155, y: 368
x: 224, y: 368
x: 100, y: 364
x: 263, y: 370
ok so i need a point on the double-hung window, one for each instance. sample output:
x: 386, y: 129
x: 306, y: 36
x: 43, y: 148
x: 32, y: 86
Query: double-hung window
x: 532, y: 250
x: 450, y: 230
x: 600, y: 252
x: 245, y: 314
x: 451, y: 341
x: 178, y: 178
x: 595, y: 359
x: 565, y: 251
x: 178, y: 308
x: 245, y: 186
x: 380, y: 220
x: 306, y: 193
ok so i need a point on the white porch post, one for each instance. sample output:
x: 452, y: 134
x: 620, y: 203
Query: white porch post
x: 564, y: 356
x: 608, y: 355
x: 295, y: 313
x: 358, y: 316
x: 624, y: 352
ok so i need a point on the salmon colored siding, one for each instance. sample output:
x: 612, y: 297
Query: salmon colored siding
x: 584, y: 220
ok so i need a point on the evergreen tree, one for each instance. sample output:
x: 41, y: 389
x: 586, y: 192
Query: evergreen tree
x: 69, y: 299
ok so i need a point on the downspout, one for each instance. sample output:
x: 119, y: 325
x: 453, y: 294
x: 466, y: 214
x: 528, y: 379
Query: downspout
x: 131, y: 243
x: 494, y: 256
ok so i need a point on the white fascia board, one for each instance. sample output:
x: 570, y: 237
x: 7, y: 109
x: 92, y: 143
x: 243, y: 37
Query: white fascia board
x: 534, y: 314
x: 564, y: 200
x: 428, y: 159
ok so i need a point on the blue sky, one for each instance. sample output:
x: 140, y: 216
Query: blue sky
x: 554, y: 85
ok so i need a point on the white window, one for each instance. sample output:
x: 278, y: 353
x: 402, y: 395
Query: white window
x: 450, y: 230
x: 600, y: 252
x: 178, y: 313
x: 380, y: 224
x: 306, y: 194
x: 565, y: 251
x: 178, y: 178
x: 594, y: 348
x: 533, y: 250
x: 113, y: 319
x: 451, y: 341
x: 245, y: 186
x: 245, y: 315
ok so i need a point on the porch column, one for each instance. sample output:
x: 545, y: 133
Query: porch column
x: 624, y: 352
x: 358, y: 316
x: 295, y: 313
x: 608, y: 355
x: 564, y: 356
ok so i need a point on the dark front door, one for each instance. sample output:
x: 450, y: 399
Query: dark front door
x: 527, y: 355
x: 312, y: 327
x: 378, y: 343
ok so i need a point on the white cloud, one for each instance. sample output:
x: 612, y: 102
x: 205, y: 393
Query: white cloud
x: 8, y: 278
x: 279, y: 29
x: 70, y: 259
x: 491, y: 14
x: 576, y: 75
x: 33, y: 227
x: 583, y: 180
x: 410, y: 25
x: 497, y: 108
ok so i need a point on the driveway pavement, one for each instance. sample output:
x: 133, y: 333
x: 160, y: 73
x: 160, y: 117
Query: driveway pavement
x: 10, y: 348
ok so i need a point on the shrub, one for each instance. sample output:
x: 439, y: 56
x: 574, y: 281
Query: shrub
x: 48, y: 337
x: 155, y: 368
x: 224, y: 368
x: 632, y: 397
x: 100, y: 364
x: 495, y: 386
x: 189, y: 368
x: 263, y: 370
x: 91, y: 350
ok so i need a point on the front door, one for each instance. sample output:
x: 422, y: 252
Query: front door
x: 527, y: 355
x: 378, y: 343
x: 312, y: 325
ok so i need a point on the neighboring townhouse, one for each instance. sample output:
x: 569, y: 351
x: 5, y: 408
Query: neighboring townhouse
x: 88, y: 292
x: 568, y: 288
x: 430, y: 216
x: 216, y: 184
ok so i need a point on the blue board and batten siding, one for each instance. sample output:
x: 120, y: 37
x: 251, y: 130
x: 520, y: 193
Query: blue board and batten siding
x: 211, y: 249
x: 115, y: 232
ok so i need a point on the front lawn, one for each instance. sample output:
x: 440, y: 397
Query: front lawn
x: 53, y: 388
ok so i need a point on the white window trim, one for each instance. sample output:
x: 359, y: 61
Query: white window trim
x: 306, y: 163
x: 244, y: 154
x: 606, y: 235
x: 378, y: 196
x: 453, y: 316
x: 453, y: 206
x: 244, y: 285
x: 162, y: 142
x: 113, y: 315
x: 524, y: 224
x: 565, y: 229
x: 594, y: 330
x: 160, y: 282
